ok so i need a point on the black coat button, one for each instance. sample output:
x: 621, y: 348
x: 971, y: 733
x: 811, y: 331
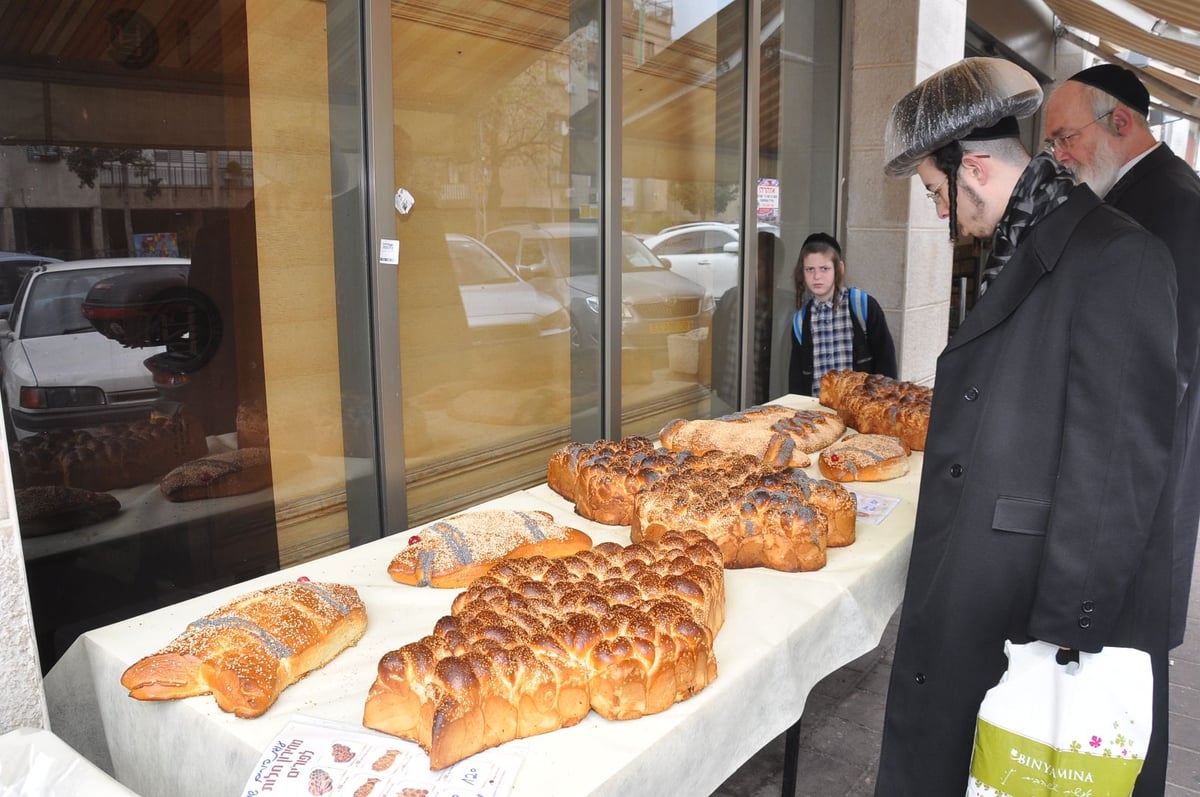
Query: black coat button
x: 1088, y: 607
x: 920, y: 678
x: 956, y: 470
x: 1085, y: 622
x: 971, y: 394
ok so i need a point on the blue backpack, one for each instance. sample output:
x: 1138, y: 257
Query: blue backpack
x: 858, y: 307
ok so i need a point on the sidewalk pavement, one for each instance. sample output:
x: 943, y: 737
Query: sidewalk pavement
x: 842, y: 726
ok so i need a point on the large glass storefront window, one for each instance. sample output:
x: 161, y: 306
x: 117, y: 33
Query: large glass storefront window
x: 176, y: 400
x: 195, y: 387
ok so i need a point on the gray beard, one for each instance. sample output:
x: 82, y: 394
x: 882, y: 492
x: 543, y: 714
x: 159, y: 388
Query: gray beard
x: 1102, y: 174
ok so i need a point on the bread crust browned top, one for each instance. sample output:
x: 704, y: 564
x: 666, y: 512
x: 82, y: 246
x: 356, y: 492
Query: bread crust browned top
x: 865, y: 458
x: 452, y: 553
x: 536, y: 643
x: 249, y: 650
x: 778, y: 436
x: 759, y: 517
x: 876, y: 404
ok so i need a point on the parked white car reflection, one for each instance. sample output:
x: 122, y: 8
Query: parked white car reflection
x: 500, y: 306
x: 704, y: 252
x: 13, y: 268
x: 563, y: 258
x: 59, y: 372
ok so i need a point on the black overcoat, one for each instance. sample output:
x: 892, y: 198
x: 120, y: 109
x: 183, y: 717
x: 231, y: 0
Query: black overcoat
x: 1051, y: 427
x: 1161, y: 192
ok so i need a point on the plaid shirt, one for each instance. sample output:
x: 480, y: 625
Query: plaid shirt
x: 833, y: 338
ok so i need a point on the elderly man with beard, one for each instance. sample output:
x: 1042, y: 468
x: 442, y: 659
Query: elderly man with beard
x: 1097, y: 129
x: 1048, y: 443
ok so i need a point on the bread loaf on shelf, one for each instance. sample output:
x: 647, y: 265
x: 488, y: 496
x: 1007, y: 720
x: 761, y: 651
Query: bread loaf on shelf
x: 109, y: 457
x: 454, y: 552
x: 251, y: 424
x: 536, y: 643
x: 876, y: 404
x: 778, y: 436
x: 865, y: 458
x: 219, y: 475
x: 248, y: 651
x: 51, y: 509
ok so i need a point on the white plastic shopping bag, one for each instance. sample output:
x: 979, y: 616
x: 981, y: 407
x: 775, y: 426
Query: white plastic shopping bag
x: 1049, y: 729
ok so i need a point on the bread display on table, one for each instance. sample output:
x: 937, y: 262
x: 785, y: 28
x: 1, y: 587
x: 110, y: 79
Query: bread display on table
x: 219, y: 475
x: 780, y: 437
x: 249, y: 650
x: 455, y: 551
x: 536, y: 643
x: 876, y: 404
x: 51, y: 509
x: 759, y: 517
x: 109, y: 457
x: 865, y: 458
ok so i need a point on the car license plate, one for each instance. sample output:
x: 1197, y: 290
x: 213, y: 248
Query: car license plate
x: 667, y: 327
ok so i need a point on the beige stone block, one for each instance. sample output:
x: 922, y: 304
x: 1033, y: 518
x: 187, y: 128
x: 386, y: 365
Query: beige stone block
x: 930, y: 259
x: 874, y: 92
x: 874, y: 200
x: 921, y: 339
x: 942, y: 25
x: 875, y: 262
x: 885, y: 32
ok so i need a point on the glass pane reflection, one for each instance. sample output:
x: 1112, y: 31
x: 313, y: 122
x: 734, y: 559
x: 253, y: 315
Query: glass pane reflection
x: 682, y: 110
x: 171, y: 393
x: 496, y: 139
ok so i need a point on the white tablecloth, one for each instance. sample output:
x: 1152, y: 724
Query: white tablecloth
x: 783, y: 632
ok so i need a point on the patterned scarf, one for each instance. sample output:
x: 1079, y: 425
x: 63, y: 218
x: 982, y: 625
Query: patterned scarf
x: 1043, y: 186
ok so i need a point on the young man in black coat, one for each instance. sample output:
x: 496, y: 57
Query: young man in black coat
x: 1096, y: 122
x: 1049, y: 438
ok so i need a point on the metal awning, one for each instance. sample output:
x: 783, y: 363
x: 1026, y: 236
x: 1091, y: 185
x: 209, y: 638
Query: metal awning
x: 1165, y: 31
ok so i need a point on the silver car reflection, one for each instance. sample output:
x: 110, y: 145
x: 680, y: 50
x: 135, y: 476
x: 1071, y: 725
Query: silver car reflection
x: 500, y: 306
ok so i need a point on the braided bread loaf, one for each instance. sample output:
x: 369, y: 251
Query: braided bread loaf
x: 876, y: 404
x: 248, y: 651
x: 778, y: 436
x: 759, y: 517
x: 110, y: 457
x: 602, y: 478
x: 534, y: 644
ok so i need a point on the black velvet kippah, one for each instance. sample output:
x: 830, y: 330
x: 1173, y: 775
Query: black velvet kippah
x: 1118, y: 81
x: 1005, y: 128
x: 824, y: 238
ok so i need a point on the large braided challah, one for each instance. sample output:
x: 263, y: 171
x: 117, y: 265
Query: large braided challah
x: 534, y: 644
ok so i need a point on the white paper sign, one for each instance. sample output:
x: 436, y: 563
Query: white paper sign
x: 389, y: 251
x: 319, y: 757
x: 874, y: 508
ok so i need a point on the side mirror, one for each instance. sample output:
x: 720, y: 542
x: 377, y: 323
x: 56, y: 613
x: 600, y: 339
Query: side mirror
x: 666, y: 260
x: 533, y: 270
x: 6, y: 332
x: 732, y: 247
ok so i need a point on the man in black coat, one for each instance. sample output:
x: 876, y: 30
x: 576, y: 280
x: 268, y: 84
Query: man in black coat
x: 1119, y: 158
x: 1049, y: 438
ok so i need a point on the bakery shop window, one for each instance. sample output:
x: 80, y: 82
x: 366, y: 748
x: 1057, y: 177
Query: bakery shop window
x: 173, y: 388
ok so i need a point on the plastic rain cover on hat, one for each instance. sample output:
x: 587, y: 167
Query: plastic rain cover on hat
x: 948, y: 105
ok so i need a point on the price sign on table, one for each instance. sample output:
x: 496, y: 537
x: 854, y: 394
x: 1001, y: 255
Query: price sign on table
x: 316, y: 757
